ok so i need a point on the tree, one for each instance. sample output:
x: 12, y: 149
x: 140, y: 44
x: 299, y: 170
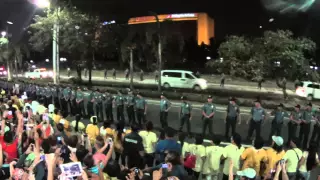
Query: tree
x: 264, y: 56
x: 80, y: 34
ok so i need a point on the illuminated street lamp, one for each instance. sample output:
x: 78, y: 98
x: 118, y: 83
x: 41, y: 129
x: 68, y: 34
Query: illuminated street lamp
x: 31, y: 61
x: 9, y: 22
x: 3, y: 34
x: 47, y: 60
x: 271, y: 20
x: 42, y: 3
x: 208, y: 57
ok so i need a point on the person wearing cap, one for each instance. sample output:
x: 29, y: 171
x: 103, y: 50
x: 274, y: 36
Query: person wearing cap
x: 165, y: 105
x: 247, y: 174
x: 48, y: 95
x: 316, y: 129
x: 233, y: 114
x: 130, y: 102
x: 79, y: 102
x: 292, y: 157
x: 118, y: 103
x: 208, y: 112
x: 277, y: 122
x: 38, y: 92
x: 141, y: 107
x: 54, y: 93
x: 294, y: 121
x: 107, y: 100
x: 73, y: 103
x: 305, y: 125
x: 65, y: 99
x: 88, y: 105
x: 97, y: 104
x: 185, y: 114
x: 258, y: 116
x: 274, y: 155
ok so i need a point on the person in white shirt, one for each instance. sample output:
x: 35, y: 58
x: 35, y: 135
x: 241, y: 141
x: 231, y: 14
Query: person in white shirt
x: 211, y: 165
x: 200, y: 152
x: 149, y: 140
x: 292, y: 158
x: 232, y: 153
x: 309, y: 161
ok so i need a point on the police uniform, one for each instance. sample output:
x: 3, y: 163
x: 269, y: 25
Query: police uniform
x: 87, y: 98
x: 164, y: 106
x: 97, y: 105
x: 208, y: 109
x: 185, y: 114
x: 119, y: 101
x: 276, y: 125
x: 79, y: 102
x: 55, y: 96
x: 73, y: 103
x: 292, y: 125
x: 33, y: 92
x: 130, y: 103
x: 307, y: 116
x: 66, y: 100
x: 233, y: 111
x: 48, y: 96
x: 108, y: 99
x: 141, y: 104
x: 258, y: 115
x: 316, y: 129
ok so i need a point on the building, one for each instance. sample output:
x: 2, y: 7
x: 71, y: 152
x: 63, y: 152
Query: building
x: 199, y: 25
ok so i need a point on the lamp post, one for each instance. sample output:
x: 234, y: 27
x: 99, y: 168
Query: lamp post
x: 55, y: 39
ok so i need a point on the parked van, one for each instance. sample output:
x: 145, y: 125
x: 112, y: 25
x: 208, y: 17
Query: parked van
x: 182, y: 79
x: 308, y: 89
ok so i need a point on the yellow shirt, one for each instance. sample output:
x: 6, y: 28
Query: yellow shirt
x: 185, y: 149
x: 303, y: 167
x: 212, y: 162
x: 92, y: 132
x: 292, y: 159
x: 81, y: 126
x: 199, y: 151
x: 148, y: 140
x: 272, y: 158
x: 232, y: 152
x: 65, y: 123
x: 253, y: 157
x: 108, y: 132
x: 41, y: 109
x: 56, y: 118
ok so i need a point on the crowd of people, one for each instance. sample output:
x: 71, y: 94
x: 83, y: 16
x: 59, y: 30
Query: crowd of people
x: 40, y: 140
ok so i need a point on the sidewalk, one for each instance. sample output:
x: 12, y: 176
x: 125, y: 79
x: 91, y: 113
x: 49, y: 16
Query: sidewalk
x: 212, y: 83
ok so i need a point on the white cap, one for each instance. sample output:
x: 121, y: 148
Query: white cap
x: 248, y: 172
x: 278, y: 140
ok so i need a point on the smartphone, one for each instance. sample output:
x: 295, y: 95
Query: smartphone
x: 282, y: 161
x: 43, y: 157
x: 164, y: 166
x: 136, y: 171
x: 124, y: 130
x: 110, y: 140
x: 10, y: 113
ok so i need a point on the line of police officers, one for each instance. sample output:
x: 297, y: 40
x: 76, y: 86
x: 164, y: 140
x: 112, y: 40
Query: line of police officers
x: 87, y: 103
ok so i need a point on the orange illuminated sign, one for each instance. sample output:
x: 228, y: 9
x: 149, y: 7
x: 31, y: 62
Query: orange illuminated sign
x: 174, y: 17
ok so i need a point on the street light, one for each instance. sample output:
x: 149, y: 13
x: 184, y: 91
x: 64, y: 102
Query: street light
x: 31, y: 61
x: 47, y: 60
x: 3, y: 33
x: 42, y: 3
x: 9, y: 22
x: 271, y: 20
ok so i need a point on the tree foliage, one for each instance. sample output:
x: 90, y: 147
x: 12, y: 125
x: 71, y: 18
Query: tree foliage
x: 275, y: 54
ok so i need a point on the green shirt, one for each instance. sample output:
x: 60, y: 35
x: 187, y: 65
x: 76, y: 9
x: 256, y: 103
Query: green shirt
x: 86, y: 96
x: 66, y: 93
x: 119, y: 100
x: 41, y: 91
x: 233, y: 110
x: 208, y: 108
x: 257, y: 113
x: 164, y: 104
x: 279, y: 115
x: 73, y: 94
x: 307, y: 116
x: 140, y: 103
x: 296, y: 116
x: 130, y: 100
x: 107, y: 99
x: 79, y: 96
x: 97, y: 97
x: 186, y: 108
x: 48, y: 92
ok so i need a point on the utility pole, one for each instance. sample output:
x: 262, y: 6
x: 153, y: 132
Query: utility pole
x: 131, y: 68
x: 159, y: 50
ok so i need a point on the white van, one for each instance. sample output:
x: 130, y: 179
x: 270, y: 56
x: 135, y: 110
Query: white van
x: 308, y: 89
x: 182, y: 79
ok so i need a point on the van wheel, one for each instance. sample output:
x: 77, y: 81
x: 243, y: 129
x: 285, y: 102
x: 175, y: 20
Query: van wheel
x: 196, y: 88
x: 166, y: 85
x: 310, y: 97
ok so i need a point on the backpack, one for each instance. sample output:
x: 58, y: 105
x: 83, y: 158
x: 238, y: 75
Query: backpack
x: 190, y: 161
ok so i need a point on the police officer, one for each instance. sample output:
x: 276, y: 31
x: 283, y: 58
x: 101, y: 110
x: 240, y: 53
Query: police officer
x: 294, y: 121
x: 233, y: 115
x: 277, y: 122
x: 114, y: 73
x: 185, y: 113
x: 97, y: 104
x: 55, y: 96
x: 126, y: 72
x: 87, y: 97
x: 316, y: 129
x: 130, y: 103
x: 108, y: 99
x: 165, y: 105
x: 73, y: 103
x: 208, y: 111
x: 33, y: 92
x: 305, y: 125
x: 65, y: 95
x: 258, y: 116
x: 118, y: 103
x: 141, y: 107
x: 48, y: 94
x: 79, y: 102
x: 38, y: 92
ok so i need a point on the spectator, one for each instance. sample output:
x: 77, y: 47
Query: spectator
x: 133, y: 148
x: 56, y: 116
x: 211, y: 165
x: 168, y: 144
x: 92, y: 129
x: 200, y: 152
x: 292, y: 157
x: 118, y: 137
x: 77, y: 125
x: 106, y: 130
x: 309, y: 161
x: 185, y: 145
x: 232, y: 153
x: 149, y: 140
x: 274, y: 154
x: 41, y: 108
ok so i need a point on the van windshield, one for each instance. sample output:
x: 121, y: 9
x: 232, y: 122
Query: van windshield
x: 195, y: 75
x: 191, y: 76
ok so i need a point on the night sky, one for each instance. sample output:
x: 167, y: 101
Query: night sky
x: 231, y: 16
